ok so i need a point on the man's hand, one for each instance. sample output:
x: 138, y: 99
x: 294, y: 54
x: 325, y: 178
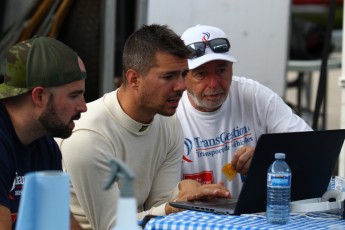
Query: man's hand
x: 5, y: 218
x: 193, y: 190
x: 242, y: 158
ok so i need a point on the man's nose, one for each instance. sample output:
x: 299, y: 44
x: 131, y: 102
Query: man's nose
x: 181, y: 85
x: 82, y: 107
x: 212, y: 80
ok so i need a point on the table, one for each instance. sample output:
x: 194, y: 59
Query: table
x: 193, y: 220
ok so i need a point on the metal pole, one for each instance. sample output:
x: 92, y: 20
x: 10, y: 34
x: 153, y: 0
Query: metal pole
x: 107, y: 46
x: 341, y: 165
x: 141, y: 13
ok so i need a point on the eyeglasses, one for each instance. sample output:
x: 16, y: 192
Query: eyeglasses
x: 217, y: 45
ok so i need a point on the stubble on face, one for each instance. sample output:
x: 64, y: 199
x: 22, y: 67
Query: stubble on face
x: 202, y: 103
x: 159, y: 103
x: 50, y: 120
x: 162, y: 87
x: 209, y: 84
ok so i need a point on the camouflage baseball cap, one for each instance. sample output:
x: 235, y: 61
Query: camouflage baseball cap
x: 40, y: 61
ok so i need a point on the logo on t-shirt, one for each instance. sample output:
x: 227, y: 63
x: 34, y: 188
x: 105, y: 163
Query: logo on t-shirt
x: 205, y: 177
x: 220, y: 144
x: 188, y: 149
x: 17, y: 186
x: 14, y: 217
x: 15, y: 194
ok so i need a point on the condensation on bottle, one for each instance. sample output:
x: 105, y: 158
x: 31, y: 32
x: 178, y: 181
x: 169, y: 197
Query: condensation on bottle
x: 278, y: 191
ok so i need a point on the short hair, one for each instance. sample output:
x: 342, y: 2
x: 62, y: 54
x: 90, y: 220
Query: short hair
x: 142, y: 46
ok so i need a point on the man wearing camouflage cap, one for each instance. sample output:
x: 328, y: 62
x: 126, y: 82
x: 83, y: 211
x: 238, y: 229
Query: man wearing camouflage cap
x: 40, y: 98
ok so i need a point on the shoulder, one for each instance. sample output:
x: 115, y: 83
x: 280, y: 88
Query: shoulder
x: 169, y: 125
x: 250, y: 86
x: 47, y: 141
x: 243, y: 81
x: 47, y: 146
x: 97, y: 114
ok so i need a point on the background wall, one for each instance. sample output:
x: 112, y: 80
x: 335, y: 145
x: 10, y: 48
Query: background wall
x: 258, y: 31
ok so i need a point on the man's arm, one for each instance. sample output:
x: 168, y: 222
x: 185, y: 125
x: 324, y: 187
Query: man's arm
x: 5, y: 218
x: 87, y: 172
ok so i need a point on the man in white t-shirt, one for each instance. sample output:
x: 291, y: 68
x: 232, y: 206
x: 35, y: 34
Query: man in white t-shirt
x: 222, y: 115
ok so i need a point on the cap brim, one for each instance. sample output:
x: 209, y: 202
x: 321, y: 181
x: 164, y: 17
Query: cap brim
x: 194, y: 63
x: 10, y: 91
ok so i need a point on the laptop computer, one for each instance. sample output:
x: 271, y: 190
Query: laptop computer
x: 312, y: 157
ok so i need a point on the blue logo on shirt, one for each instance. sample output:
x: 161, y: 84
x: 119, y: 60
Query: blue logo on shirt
x: 220, y: 144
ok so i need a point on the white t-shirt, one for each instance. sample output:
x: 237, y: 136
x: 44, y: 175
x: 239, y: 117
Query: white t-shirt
x: 212, y: 138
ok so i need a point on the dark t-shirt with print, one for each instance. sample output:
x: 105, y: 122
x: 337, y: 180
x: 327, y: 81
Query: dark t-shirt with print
x: 16, y: 160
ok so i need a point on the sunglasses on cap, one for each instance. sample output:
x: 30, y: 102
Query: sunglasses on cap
x: 217, y: 45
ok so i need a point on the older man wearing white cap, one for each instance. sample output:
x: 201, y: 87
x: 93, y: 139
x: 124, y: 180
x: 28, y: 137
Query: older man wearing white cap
x: 223, y: 115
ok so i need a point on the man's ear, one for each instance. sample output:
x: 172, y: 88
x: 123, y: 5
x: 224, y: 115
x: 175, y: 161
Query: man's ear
x: 133, y: 78
x: 39, y: 96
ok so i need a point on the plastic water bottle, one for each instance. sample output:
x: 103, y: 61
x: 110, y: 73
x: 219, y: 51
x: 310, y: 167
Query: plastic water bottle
x: 278, y: 191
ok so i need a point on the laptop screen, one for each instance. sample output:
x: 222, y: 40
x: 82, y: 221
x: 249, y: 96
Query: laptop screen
x: 312, y: 157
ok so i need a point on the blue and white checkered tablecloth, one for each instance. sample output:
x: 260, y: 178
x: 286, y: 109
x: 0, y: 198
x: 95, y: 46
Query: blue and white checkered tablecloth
x: 193, y: 220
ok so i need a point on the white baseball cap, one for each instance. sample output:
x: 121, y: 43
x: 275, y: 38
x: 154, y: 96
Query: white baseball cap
x: 202, y: 33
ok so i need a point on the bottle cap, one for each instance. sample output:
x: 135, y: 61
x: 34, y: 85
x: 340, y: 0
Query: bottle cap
x: 279, y: 156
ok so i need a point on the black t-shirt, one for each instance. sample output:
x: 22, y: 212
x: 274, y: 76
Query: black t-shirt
x: 16, y: 160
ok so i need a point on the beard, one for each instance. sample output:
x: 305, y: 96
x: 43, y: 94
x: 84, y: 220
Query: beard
x: 52, y: 123
x: 207, y: 105
x: 151, y: 103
